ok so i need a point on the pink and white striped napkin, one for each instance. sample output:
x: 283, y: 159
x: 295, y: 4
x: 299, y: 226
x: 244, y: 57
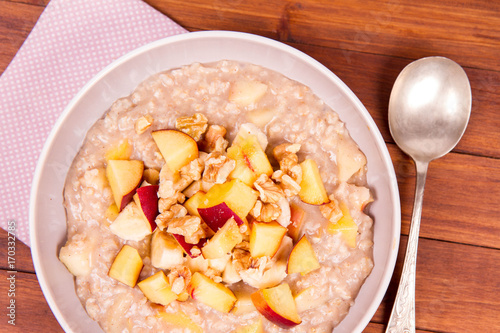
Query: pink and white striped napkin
x: 71, y: 42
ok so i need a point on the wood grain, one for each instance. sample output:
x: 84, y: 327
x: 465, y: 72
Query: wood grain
x: 454, y: 281
x: 32, y: 314
x: 16, y: 22
x: 402, y: 28
x: 365, y: 43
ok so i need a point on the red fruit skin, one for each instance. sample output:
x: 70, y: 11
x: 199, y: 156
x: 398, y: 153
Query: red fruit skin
x: 187, y: 246
x: 264, y: 309
x: 215, y: 217
x: 148, y: 197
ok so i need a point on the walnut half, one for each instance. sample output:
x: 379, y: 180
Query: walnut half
x: 193, y: 126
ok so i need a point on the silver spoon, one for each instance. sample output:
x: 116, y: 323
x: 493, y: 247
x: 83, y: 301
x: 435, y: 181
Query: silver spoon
x: 429, y: 109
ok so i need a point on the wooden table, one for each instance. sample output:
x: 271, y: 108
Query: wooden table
x: 366, y: 43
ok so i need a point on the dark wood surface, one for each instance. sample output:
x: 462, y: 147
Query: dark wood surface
x: 366, y: 43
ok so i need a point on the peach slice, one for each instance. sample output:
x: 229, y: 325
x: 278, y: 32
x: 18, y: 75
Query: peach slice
x: 165, y: 251
x: 124, y: 177
x: 127, y: 266
x: 312, y: 189
x: 224, y: 240
x: 349, y: 160
x: 215, y: 217
x: 345, y: 225
x: 249, y: 129
x: 302, y: 259
x: 246, y: 92
x: 297, y: 214
x: 277, y: 305
x: 131, y: 224
x: 157, y: 289
x: 238, y: 196
x: 176, y: 147
x: 146, y: 198
x: 265, y: 238
x: 251, y: 160
x: 211, y: 293
x: 152, y: 176
x: 112, y: 212
x: 194, y: 202
x: 121, y: 151
x: 180, y: 319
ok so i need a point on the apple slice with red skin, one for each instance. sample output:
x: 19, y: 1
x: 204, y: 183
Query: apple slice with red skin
x: 302, y: 259
x: 215, y: 295
x: 148, y: 202
x: 223, y: 242
x: 265, y: 238
x: 277, y: 305
x: 312, y: 189
x: 124, y: 177
x: 215, y: 217
x: 187, y: 246
x: 176, y: 147
x: 297, y: 214
x: 126, y: 266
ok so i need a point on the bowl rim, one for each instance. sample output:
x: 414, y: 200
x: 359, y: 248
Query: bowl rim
x: 393, y: 187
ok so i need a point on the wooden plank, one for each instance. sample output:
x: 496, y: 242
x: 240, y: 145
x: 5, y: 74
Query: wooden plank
x: 371, y: 78
x: 446, y: 273
x: 16, y: 22
x: 42, y: 3
x: 21, y: 258
x: 32, y: 314
x: 456, y: 288
x: 467, y: 31
x: 460, y: 199
x: 379, y: 71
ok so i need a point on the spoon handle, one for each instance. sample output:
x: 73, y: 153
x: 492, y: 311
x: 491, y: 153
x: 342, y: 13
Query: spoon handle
x: 402, y: 318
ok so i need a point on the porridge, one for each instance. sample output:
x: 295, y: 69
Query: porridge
x: 218, y: 197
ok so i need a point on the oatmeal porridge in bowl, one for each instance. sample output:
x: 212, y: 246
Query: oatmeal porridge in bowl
x: 221, y: 196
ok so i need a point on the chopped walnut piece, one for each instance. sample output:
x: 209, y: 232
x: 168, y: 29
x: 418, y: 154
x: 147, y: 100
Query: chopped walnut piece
x: 286, y: 155
x: 163, y: 218
x: 143, y: 123
x: 192, y: 189
x: 331, y: 211
x: 179, y: 210
x: 241, y: 259
x: 269, y: 191
x: 265, y: 212
x: 165, y: 204
x: 193, y: 170
x: 170, y: 182
x: 214, y: 139
x: 195, y: 251
x: 187, y: 226
x: 179, y: 278
x: 193, y: 126
x: 217, y: 168
x: 213, y: 274
x: 243, y: 246
x: 289, y: 186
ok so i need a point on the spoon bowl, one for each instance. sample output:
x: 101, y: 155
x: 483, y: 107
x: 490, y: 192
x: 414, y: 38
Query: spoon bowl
x: 429, y: 109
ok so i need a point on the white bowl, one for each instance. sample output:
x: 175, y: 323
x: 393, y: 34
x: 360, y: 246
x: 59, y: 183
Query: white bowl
x: 47, y: 215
